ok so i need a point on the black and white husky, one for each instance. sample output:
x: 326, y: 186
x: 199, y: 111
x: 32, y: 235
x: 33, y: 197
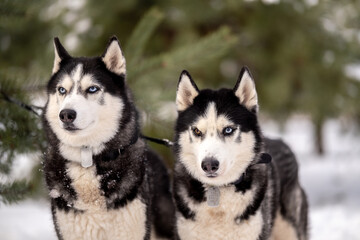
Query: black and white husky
x: 223, y: 189
x: 100, y: 174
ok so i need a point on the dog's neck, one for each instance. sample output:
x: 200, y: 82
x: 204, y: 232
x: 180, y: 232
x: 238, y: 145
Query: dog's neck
x: 213, y: 192
x: 85, y: 154
x: 81, y: 154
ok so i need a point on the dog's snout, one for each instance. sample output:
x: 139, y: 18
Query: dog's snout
x: 210, y: 165
x: 67, y: 115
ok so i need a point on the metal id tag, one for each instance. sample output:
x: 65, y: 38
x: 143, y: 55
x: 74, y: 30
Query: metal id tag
x: 86, y: 157
x: 213, y: 196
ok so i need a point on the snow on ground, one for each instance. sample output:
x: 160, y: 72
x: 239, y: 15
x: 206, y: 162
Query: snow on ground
x: 331, y: 183
x: 28, y: 220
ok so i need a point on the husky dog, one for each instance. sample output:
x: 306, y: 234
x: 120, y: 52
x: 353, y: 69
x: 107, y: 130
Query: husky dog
x: 100, y: 174
x: 223, y: 187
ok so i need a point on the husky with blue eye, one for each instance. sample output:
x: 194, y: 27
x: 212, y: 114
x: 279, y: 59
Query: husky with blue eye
x: 225, y: 184
x: 104, y: 183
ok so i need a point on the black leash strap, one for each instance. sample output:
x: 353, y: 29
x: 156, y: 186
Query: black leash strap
x: 163, y: 141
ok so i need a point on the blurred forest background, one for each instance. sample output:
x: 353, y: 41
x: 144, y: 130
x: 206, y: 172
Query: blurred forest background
x: 303, y: 54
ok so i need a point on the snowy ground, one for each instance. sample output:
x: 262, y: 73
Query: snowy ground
x: 331, y: 182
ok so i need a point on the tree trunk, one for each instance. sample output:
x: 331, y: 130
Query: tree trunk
x: 319, y: 141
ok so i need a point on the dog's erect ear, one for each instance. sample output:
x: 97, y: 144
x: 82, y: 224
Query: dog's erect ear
x: 60, y: 54
x: 186, y: 91
x: 245, y: 90
x: 114, y: 58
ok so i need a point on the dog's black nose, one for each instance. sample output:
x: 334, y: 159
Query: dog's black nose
x: 67, y: 116
x: 210, y: 165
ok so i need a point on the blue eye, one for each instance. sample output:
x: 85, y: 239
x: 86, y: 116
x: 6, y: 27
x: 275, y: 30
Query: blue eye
x: 62, y: 90
x: 93, y: 89
x: 227, y: 131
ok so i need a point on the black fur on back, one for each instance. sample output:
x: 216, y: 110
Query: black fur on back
x: 287, y: 172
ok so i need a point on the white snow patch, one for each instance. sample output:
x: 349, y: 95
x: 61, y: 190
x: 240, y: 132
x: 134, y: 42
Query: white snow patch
x: 335, y: 222
x: 29, y: 220
x: 353, y: 71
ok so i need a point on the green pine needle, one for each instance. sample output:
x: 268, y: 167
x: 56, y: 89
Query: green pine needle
x: 13, y: 192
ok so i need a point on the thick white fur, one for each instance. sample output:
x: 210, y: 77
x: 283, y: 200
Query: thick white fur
x: 97, y: 122
x: 96, y: 222
x: 186, y: 93
x: 246, y: 92
x: 234, y: 157
x: 114, y: 59
x: 219, y: 222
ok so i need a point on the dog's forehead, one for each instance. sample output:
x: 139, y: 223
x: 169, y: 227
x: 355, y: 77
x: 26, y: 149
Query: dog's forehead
x: 77, y: 73
x: 212, y: 119
x: 72, y: 76
x: 218, y: 106
x: 77, y: 77
x: 88, y: 71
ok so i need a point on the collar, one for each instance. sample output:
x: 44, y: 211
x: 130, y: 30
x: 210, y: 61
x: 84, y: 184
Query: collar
x: 115, y: 153
x: 133, y: 140
x: 264, y: 158
x: 240, y: 178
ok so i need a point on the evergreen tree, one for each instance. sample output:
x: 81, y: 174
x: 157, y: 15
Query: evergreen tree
x: 297, y: 53
x: 23, y: 40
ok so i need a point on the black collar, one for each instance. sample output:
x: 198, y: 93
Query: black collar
x: 112, y: 154
x: 133, y: 140
x: 240, y: 179
x: 264, y: 158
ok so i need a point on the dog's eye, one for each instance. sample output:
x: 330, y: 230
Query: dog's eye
x: 93, y: 89
x: 227, y: 131
x: 197, y: 132
x: 62, y: 90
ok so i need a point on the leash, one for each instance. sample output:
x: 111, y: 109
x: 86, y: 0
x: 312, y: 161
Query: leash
x: 162, y: 141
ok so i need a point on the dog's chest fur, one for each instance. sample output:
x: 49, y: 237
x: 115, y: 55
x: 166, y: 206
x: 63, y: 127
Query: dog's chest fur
x: 93, y: 220
x: 220, y: 222
x: 87, y: 186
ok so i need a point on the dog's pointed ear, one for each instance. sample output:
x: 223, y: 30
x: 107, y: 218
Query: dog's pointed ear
x: 114, y: 58
x: 245, y: 90
x: 60, y: 54
x: 186, y: 91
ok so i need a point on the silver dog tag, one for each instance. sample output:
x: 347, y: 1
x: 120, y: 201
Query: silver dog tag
x: 213, y: 196
x: 86, y: 157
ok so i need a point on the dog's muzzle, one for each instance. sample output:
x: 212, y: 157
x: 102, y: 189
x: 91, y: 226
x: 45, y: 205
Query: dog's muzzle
x: 68, y: 116
x: 210, y: 166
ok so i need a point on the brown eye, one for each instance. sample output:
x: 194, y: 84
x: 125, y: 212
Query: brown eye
x: 197, y: 132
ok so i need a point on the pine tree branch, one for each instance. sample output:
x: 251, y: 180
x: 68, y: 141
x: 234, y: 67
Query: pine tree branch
x: 27, y: 107
x: 141, y: 35
x: 195, y: 54
x: 14, y: 192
